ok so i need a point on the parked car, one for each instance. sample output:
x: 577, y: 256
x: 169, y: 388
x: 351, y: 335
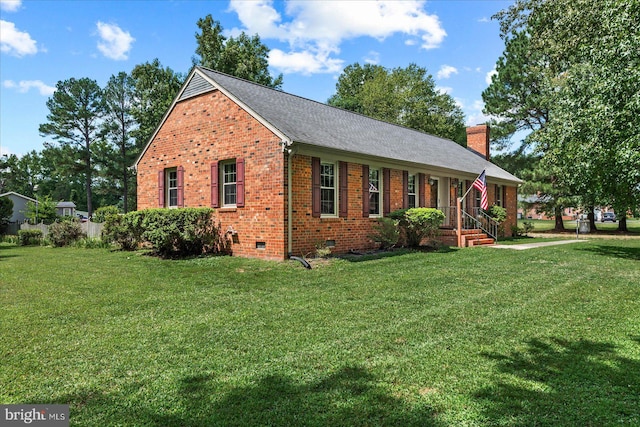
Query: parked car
x: 608, y: 216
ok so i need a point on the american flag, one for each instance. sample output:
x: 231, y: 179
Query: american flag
x: 481, y: 185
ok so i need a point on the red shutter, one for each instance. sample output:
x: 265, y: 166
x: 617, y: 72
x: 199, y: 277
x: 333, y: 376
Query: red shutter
x: 344, y: 189
x: 215, y: 199
x: 240, y: 183
x: 405, y: 189
x: 315, y: 187
x: 180, y: 187
x: 161, y: 188
x: 421, y: 195
x: 386, y: 176
x: 365, y: 191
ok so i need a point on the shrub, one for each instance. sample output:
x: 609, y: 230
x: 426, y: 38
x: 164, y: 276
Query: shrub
x: 422, y: 223
x: 101, y: 214
x: 181, y: 232
x: 124, y: 230
x: 499, y: 215
x: 527, y: 226
x: 63, y: 233
x: 386, y: 232
x: 171, y: 232
x: 29, y: 237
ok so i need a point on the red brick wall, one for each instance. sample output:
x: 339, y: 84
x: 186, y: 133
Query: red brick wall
x: 210, y: 128
x: 348, y: 233
x: 511, y: 205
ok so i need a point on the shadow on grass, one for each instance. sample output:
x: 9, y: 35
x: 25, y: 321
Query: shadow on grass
x: 360, y: 257
x: 349, y: 397
x: 557, y: 382
x: 3, y: 253
x: 615, y: 251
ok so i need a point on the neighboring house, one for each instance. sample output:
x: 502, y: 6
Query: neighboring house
x: 19, y: 210
x: 530, y: 207
x: 66, y: 209
x: 19, y: 205
x: 285, y: 173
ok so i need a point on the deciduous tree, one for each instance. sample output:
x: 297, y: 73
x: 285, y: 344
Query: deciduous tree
x: 404, y: 96
x: 243, y: 56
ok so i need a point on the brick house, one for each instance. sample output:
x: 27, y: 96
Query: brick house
x: 285, y: 173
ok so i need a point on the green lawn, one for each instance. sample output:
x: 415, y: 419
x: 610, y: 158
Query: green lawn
x: 633, y: 225
x: 475, y: 337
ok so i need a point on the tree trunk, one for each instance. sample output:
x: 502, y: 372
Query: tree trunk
x: 592, y: 218
x: 88, y: 176
x: 622, y: 223
x: 558, y: 215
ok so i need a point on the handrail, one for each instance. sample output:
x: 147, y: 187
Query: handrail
x: 482, y: 221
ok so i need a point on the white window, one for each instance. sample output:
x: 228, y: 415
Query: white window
x: 328, y: 191
x: 171, y: 188
x: 499, y: 195
x: 229, y: 179
x: 375, y: 184
x: 411, y: 190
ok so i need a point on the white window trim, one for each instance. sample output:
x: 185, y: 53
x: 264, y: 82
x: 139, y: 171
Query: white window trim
x: 415, y: 188
x: 336, y: 189
x: 168, y: 188
x: 500, y: 192
x: 224, y: 184
x: 380, y: 192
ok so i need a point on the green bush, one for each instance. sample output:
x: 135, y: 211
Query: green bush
x: 499, y: 215
x: 124, y: 230
x: 63, y: 233
x: 29, y: 237
x: 183, y: 232
x: 386, y: 232
x: 101, y: 214
x: 416, y: 224
x: 422, y: 223
x: 171, y: 232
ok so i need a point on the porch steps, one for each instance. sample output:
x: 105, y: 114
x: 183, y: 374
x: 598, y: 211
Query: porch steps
x: 475, y: 237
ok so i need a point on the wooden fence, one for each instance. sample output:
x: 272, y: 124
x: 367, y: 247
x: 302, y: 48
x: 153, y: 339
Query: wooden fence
x: 93, y: 230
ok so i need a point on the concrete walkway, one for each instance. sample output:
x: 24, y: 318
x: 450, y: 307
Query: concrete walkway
x: 535, y: 245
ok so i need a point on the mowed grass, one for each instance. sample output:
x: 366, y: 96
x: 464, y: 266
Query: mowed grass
x: 477, y: 337
x: 633, y: 225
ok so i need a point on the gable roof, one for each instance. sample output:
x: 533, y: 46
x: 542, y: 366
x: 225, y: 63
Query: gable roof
x: 302, y: 121
x: 13, y: 193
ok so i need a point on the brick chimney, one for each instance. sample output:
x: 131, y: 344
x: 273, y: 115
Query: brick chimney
x: 478, y: 140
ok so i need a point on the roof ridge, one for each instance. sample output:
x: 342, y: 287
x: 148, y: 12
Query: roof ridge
x: 324, y: 104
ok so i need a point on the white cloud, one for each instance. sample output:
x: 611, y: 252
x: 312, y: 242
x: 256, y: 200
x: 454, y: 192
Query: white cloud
x: 10, y: 5
x: 372, y: 58
x: 25, y: 85
x: 444, y: 90
x: 489, y: 75
x: 475, y: 115
x: 15, y: 42
x: 446, y: 71
x: 304, y: 62
x: 315, y: 29
x: 115, y: 43
x: 484, y: 19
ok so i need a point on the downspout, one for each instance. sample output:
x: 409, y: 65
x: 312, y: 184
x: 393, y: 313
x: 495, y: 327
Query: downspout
x: 289, y: 206
x: 289, y: 153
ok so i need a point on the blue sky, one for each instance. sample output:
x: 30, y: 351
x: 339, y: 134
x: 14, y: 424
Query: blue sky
x: 44, y: 41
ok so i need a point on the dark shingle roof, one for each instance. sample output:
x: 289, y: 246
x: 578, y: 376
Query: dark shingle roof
x: 310, y: 122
